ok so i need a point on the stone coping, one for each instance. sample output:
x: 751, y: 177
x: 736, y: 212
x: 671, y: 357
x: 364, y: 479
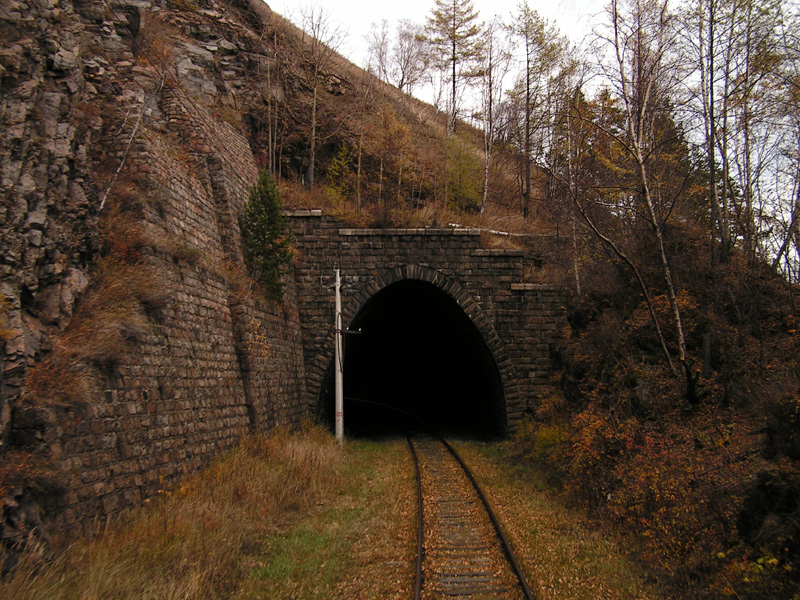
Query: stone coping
x: 315, y: 212
x: 530, y: 287
x: 416, y: 231
x: 498, y: 252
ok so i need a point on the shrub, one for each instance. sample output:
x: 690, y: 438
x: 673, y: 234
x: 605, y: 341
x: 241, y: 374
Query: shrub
x: 464, y: 176
x: 341, y: 179
x: 266, y: 236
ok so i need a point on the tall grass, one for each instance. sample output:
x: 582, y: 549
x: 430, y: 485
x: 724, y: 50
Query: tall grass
x: 196, y: 541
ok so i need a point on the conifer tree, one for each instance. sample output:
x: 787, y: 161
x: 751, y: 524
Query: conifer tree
x: 454, y: 36
x: 266, y: 236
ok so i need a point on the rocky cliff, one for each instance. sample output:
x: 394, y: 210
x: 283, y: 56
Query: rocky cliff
x: 134, y: 346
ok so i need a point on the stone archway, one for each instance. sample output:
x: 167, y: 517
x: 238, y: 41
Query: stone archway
x: 426, y: 347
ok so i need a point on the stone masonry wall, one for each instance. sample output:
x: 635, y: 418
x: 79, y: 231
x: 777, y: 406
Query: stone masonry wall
x: 518, y: 320
x: 215, y: 364
x: 205, y: 361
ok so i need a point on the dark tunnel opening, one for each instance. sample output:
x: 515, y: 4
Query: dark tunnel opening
x: 417, y: 352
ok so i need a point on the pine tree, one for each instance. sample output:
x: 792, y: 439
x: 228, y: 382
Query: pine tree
x: 266, y: 236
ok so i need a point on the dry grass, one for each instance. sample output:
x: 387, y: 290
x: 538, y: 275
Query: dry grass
x: 291, y: 516
x: 115, y: 313
x: 564, y: 556
x: 26, y: 471
x: 286, y: 515
x: 109, y: 321
x: 192, y: 542
x: 398, y: 214
x: 5, y: 327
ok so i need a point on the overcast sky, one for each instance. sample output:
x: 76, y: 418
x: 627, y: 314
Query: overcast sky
x: 574, y: 17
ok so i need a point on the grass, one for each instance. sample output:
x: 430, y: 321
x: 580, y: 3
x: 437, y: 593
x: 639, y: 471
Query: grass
x: 286, y: 515
x: 402, y: 214
x: 292, y: 516
x: 357, y: 543
x: 564, y: 555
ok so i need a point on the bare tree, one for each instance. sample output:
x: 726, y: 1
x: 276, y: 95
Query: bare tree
x: 642, y: 37
x: 591, y: 141
x: 495, y: 67
x: 741, y: 54
x: 399, y: 60
x: 786, y: 257
x: 701, y: 24
x: 408, y: 56
x: 321, y: 38
x: 378, y: 47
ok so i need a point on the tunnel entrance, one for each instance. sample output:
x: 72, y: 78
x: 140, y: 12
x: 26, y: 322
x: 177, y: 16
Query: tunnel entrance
x: 418, y: 352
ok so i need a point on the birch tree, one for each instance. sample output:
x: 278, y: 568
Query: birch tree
x: 378, y: 48
x: 399, y: 59
x: 407, y: 59
x: 642, y: 40
x: 495, y: 67
x: 320, y: 40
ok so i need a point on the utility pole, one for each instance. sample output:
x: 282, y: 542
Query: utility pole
x: 337, y: 359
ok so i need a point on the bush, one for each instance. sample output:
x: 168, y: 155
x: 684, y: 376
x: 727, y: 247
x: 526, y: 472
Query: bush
x: 341, y: 178
x: 266, y: 236
x: 464, y: 176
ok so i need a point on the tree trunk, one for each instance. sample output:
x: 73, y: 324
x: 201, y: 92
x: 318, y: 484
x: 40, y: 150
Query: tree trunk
x: 358, y: 168
x: 312, y: 157
x: 622, y: 256
x: 711, y: 143
x: 451, y: 128
x: 575, y: 257
x: 487, y: 151
x: 527, y: 145
x: 673, y: 299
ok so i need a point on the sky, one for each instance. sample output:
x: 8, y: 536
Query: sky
x: 573, y: 17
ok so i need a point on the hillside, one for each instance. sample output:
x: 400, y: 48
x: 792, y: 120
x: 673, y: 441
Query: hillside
x: 136, y: 346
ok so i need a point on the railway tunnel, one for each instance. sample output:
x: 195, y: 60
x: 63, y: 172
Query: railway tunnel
x: 413, y: 348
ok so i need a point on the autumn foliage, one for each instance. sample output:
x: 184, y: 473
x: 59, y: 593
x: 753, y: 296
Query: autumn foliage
x: 710, y: 490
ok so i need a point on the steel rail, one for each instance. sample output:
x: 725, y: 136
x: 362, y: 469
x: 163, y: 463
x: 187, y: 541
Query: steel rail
x: 420, y: 523
x: 504, y: 542
x: 510, y: 555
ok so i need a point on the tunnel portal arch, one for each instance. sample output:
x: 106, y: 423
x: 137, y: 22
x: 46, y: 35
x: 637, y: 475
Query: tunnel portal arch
x: 425, y: 347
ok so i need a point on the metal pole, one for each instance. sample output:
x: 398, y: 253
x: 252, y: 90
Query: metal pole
x: 337, y: 359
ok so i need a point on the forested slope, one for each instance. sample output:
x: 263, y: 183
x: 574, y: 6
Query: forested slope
x: 669, y: 182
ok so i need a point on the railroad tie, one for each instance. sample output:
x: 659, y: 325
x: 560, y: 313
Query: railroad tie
x: 462, y: 555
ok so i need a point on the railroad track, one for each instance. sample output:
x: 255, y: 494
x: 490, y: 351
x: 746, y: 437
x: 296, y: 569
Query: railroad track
x: 462, y: 551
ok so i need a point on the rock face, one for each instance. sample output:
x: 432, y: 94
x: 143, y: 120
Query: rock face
x: 130, y: 356
x: 47, y: 231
